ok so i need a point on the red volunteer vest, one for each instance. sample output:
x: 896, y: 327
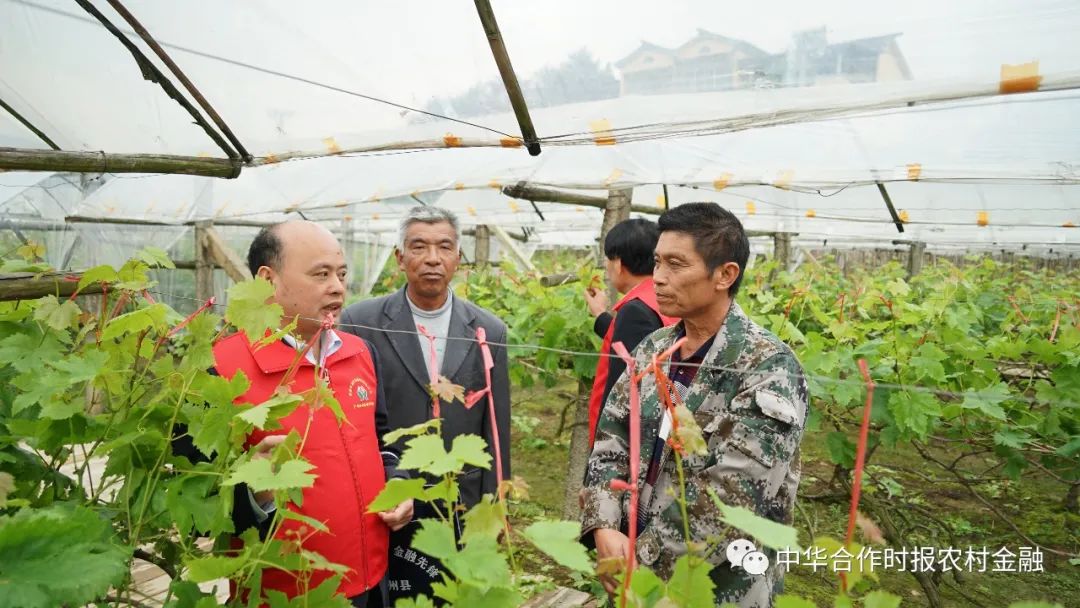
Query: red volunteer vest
x: 643, y: 291
x: 346, y: 457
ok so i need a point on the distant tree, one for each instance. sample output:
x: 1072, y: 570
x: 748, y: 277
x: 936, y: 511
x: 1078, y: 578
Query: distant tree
x: 579, y: 78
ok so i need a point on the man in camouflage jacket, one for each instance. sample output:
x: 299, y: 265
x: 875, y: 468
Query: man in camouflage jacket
x: 748, y: 396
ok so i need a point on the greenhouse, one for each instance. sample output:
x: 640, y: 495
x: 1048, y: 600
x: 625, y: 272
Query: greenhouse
x: 907, y: 178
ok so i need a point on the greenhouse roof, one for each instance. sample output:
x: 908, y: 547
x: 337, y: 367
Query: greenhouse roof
x: 966, y: 120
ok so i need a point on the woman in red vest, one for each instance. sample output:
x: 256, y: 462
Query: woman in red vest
x: 628, y: 248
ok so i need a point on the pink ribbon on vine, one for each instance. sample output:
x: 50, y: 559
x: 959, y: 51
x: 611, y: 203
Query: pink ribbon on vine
x: 475, y: 396
x: 860, y: 460
x: 433, y: 369
x: 635, y: 444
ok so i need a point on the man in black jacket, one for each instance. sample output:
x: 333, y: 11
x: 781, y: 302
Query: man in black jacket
x: 428, y: 252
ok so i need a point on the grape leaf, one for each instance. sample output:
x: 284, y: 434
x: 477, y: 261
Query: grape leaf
x: 410, y: 431
x: 690, y: 585
x: 766, y: 531
x: 484, y: 521
x: 559, y: 540
x: 259, y: 475
x: 792, y: 601
x: 988, y: 400
x: 881, y: 599
x: 31, y: 250
x: 435, y: 538
x: 58, y: 556
x: 57, y: 315
x: 212, y: 567
x: 248, y: 309
x: 154, y: 257
x: 98, y: 274
x: 395, y: 492
x: 446, y: 391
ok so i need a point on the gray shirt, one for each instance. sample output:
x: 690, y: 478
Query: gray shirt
x: 437, y: 323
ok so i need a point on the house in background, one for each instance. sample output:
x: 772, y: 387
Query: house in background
x: 711, y: 62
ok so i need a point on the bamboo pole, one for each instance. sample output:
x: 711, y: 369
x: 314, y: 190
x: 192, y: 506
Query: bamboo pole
x: 29, y: 125
x: 153, y: 74
x: 509, y: 78
x: 175, y: 69
x: 21, y: 159
x: 32, y: 285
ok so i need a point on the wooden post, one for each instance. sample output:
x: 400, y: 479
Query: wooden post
x: 579, y: 452
x: 915, y: 258
x: 204, y: 266
x: 516, y: 254
x: 222, y: 256
x: 482, y: 252
x: 616, y: 210
x: 781, y: 252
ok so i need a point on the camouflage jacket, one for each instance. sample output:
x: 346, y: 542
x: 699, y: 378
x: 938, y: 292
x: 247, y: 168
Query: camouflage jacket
x: 751, y: 414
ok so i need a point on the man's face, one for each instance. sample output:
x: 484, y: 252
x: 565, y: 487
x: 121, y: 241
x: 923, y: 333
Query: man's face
x: 430, y: 258
x: 310, y: 280
x: 684, y: 286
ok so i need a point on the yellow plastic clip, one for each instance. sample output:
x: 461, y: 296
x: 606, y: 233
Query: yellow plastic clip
x: 510, y: 142
x: 811, y: 213
x: 514, y: 206
x: 616, y: 173
x: 494, y: 184
x: 471, y: 210
x: 982, y: 218
x: 751, y: 208
x: 451, y: 140
x: 722, y: 182
x: 904, y: 217
x: 1021, y: 78
x: 784, y: 181
x: 459, y: 186
x: 914, y: 171
x: 331, y: 145
x: 602, y: 134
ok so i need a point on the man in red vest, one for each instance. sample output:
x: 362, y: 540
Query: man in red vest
x: 628, y: 248
x: 305, y: 264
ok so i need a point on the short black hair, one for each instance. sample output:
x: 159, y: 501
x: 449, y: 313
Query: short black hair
x: 265, y: 250
x: 633, y: 243
x: 718, y: 235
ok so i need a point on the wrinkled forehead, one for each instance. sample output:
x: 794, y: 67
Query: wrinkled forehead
x: 430, y: 232
x: 677, y: 244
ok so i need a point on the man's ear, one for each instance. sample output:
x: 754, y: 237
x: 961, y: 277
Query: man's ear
x: 725, y: 275
x: 399, y: 258
x: 267, y: 273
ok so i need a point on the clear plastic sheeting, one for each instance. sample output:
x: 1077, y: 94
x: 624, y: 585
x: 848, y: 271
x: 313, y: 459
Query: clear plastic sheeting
x: 792, y: 114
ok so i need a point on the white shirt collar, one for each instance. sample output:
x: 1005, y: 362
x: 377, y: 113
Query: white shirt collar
x: 331, y: 344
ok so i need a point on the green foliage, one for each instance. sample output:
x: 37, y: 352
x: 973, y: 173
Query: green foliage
x: 766, y: 531
x: 111, y: 388
x: 64, y: 554
x: 248, y: 310
x: 559, y: 540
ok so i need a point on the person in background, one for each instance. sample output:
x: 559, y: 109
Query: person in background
x: 628, y: 248
x: 428, y: 252
x: 746, y: 390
